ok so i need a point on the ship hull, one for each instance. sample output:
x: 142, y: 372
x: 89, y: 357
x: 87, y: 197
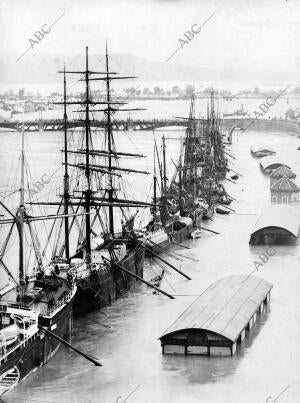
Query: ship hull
x: 40, y: 347
x: 101, y: 288
x: 176, y: 237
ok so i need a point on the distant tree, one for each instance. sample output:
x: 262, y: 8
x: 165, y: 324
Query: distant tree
x: 130, y: 91
x: 146, y: 92
x: 158, y: 91
x: 290, y: 114
x: 209, y: 89
x: 21, y: 92
x: 175, y: 90
x: 296, y: 90
x: 256, y: 91
x: 225, y: 93
x: 11, y: 92
x: 189, y: 90
x: 138, y: 92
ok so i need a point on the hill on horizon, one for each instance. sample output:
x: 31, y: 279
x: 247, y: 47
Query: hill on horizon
x: 42, y: 68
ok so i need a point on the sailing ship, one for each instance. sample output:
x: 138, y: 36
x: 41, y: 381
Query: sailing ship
x: 180, y: 212
x: 107, y: 259
x: 36, y: 306
x: 203, y: 166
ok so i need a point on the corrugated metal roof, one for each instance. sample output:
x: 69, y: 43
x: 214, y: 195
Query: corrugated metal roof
x: 285, y: 184
x: 261, y: 147
x: 283, y: 171
x: 279, y: 215
x: 271, y: 160
x: 225, y: 307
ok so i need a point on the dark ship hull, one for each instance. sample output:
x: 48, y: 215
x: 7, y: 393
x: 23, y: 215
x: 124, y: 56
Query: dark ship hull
x: 102, y: 287
x: 38, y: 349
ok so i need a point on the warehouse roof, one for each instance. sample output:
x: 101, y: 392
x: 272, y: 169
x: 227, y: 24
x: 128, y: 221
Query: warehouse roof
x: 271, y: 161
x: 284, y: 184
x: 225, y: 307
x: 281, y: 216
x: 283, y: 171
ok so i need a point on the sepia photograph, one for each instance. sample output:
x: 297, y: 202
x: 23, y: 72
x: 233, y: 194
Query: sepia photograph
x: 149, y: 201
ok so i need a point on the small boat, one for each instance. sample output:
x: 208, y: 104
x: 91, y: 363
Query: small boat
x: 261, y: 150
x: 298, y: 148
x: 234, y: 177
x: 9, y: 379
x: 220, y: 210
x: 196, y: 234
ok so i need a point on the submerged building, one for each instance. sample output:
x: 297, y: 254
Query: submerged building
x: 285, y: 191
x: 279, y: 224
x: 219, y: 318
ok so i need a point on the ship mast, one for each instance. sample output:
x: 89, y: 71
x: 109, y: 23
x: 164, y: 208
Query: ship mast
x: 164, y: 166
x: 109, y: 141
x: 180, y: 187
x: 66, y: 175
x: 21, y: 216
x: 154, y: 188
x: 110, y: 153
x: 87, y: 162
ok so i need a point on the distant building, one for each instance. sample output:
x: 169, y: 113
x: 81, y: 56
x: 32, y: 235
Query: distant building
x: 40, y: 106
x: 29, y: 106
x: 285, y: 191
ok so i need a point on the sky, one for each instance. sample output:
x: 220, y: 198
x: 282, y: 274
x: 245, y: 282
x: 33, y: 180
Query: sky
x: 248, y: 34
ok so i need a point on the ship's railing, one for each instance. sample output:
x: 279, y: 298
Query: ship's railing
x: 14, y: 305
x: 65, y: 299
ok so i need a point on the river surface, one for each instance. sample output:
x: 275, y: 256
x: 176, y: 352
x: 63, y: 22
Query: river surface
x: 124, y: 336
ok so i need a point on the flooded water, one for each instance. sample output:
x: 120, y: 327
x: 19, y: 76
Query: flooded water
x: 124, y: 336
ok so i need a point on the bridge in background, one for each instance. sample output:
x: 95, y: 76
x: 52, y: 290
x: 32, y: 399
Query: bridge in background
x: 58, y: 124
x: 152, y: 124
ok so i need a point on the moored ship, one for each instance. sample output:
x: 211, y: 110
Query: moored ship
x: 106, y: 259
x: 204, y: 163
x: 35, y: 307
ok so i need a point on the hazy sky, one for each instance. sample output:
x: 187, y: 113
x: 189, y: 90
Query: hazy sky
x: 253, y: 34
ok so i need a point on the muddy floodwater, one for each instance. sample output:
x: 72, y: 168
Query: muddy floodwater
x: 124, y: 336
